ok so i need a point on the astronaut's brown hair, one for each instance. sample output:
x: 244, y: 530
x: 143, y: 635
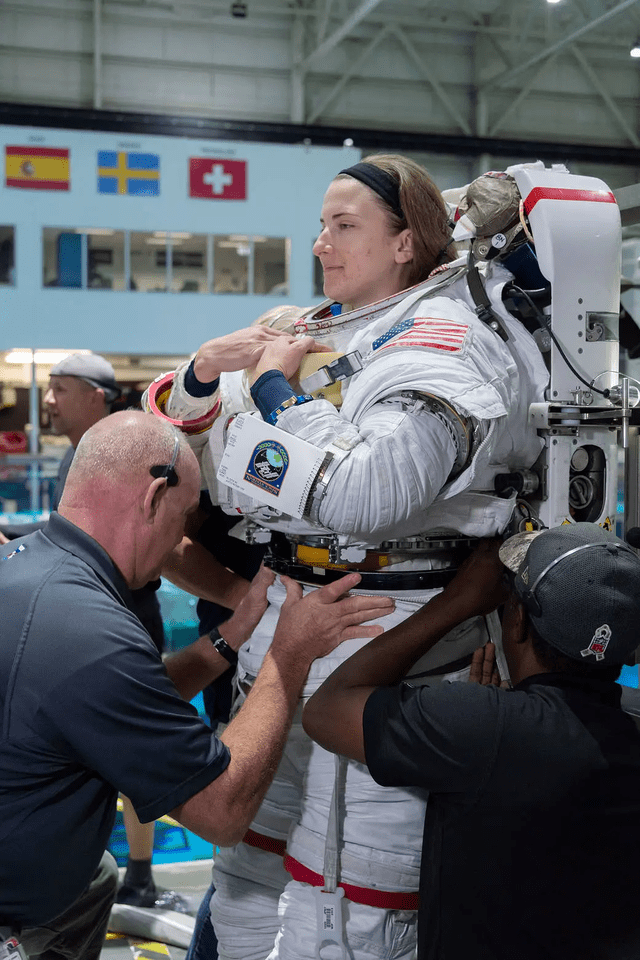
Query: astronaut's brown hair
x: 424, y: 211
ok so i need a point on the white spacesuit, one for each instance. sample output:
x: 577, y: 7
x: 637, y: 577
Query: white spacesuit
x: 437, y: 410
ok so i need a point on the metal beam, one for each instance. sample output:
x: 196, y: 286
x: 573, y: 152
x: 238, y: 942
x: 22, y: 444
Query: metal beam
x: 608, y: 99
x: 503, y: 78
x: 203, y: 128
x: 296, y: 113
x: 501, y: 53
x: 628, y: 199
x: 428, y: 76
x: 344, y: 79
x: 97, y: 54
x: 515, y: 103
x: 323, y: 20
x: 327, y: 45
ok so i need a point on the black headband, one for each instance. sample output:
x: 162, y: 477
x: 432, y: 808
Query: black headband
x: 380, y: 182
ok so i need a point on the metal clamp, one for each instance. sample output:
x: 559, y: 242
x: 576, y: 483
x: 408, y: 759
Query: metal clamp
x: 340, y: 369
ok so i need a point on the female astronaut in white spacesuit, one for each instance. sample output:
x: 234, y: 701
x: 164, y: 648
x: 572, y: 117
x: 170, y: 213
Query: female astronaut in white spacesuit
x: 435, y: 408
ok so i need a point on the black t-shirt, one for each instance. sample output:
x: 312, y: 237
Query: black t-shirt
x: 532, y: 831
x: 87, y: 710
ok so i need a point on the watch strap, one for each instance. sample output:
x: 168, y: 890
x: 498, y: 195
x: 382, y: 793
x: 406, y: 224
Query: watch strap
x: 223, y: 647
x: 294, y: 401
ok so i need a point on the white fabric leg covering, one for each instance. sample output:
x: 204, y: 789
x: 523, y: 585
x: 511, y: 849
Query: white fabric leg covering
x: 244, y: 910
x: 371, y: 934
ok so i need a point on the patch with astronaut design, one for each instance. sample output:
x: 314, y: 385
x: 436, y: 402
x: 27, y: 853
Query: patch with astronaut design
x: 268, y: 465
x: 427, y: 333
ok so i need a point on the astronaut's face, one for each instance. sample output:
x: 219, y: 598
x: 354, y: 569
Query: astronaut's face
x: 362, y: 260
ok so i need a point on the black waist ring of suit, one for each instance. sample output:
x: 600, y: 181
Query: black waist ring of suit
x: 282, y: 557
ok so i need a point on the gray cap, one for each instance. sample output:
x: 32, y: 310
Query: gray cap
x: 581, y: 587
x: 90, y: 367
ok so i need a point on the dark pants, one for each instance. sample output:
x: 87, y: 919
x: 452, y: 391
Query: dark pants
x: 79, y: 932
x: 204, y: 943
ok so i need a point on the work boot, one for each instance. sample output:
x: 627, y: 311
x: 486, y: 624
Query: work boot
x: 138, y: 888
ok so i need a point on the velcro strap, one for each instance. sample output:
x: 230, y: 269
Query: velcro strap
x: 270, y: 844
x: 383, y: 899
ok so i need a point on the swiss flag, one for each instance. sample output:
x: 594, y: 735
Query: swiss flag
x: 217, y: 179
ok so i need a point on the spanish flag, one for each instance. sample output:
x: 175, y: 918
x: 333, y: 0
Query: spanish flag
x: 37, y: 168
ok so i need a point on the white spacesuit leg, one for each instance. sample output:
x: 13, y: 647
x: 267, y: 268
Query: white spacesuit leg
x: 381, y: 836
x: 244, y: 908
x: 249, y: 879
x: 370, y: 933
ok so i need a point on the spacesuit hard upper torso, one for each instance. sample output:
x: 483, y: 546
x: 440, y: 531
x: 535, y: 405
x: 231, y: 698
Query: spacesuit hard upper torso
x: 393, y: 480
x: 391, y: 476
x: 447, y: 352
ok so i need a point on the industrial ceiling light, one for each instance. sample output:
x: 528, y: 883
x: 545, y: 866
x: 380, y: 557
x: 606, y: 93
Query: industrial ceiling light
x: 239, y: 9
x: 635, y: 49
x: 39, y: 356
x: 553, y: 1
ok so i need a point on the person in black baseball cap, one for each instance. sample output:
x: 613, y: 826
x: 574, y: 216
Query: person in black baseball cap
x: 579, y: 587
x: 533, y: 819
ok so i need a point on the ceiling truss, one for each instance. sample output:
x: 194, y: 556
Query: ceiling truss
x: 471, y: 69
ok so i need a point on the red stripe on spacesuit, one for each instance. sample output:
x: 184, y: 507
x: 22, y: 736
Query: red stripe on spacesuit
x: 383, y: 899
x: 414, y: 342
x: 562, y: 193
x: 433, y: 333
x: 262, y: 842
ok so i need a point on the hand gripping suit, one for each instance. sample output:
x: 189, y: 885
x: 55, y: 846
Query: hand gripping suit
x: 438, y: 409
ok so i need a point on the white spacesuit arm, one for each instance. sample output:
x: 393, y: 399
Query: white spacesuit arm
x: 168, y: 399
x: 383, y: 472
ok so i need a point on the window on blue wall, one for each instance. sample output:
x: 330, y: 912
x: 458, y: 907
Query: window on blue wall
x: 231, y: 260
x: 62, y: 257
x: 101, y: 258
x: 105, y: 259
x: 271, y: 265
x: 7, y: 257
x: 149, y: 261
x: 189, y: 263
x: 83, y: 257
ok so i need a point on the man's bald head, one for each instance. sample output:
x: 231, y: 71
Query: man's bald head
x: 120, y: 450
x: 137, y: 516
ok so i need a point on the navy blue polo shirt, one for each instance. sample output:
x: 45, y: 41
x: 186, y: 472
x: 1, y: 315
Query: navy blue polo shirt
x: 532, y: 830
x: 87, y: 710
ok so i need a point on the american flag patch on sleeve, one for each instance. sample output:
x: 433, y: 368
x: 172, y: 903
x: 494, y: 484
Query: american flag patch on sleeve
x: 431, y: 333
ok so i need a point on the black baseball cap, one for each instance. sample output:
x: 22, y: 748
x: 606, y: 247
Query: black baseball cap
x: 581, y: 587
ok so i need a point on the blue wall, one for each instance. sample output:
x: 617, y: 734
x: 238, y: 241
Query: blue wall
x: 285, y: 186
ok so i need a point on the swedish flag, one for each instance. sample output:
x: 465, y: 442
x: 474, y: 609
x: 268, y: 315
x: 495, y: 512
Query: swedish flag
x: 136, y: 174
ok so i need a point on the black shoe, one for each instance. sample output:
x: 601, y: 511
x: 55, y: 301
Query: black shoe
x: 144, y: 896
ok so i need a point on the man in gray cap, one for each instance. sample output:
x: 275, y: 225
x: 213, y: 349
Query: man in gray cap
x: 532, y: 831
x: 82, y: 387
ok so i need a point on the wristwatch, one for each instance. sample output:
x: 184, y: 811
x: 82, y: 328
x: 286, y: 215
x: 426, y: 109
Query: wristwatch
x: 294, y: 401
x: 223, y: 647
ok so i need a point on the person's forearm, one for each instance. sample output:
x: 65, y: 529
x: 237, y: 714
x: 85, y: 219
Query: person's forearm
x: 333, y: 715
x: 223, y: 812
x: 194, y: 667
x: 387, y: 659
x: 194, y: 569
x: 257, y: 735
